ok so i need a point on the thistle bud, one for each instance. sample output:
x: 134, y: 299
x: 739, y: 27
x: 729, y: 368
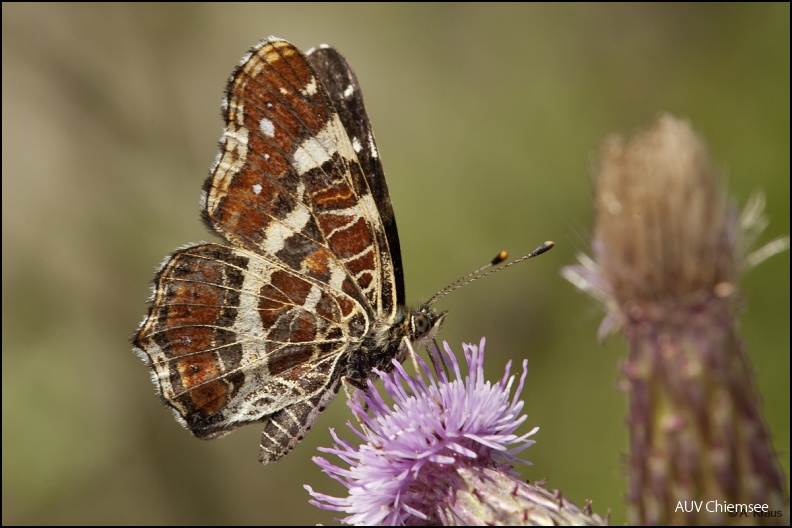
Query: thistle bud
x: 668, y: 247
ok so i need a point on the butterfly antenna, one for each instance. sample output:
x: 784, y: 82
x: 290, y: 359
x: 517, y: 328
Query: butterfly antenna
x: 485, y: 270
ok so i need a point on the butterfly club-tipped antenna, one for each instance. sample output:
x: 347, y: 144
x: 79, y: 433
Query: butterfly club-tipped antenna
x: 488, y: 269
x: 485, y: 270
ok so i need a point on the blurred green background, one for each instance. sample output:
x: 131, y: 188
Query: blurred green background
x: 486, y: 118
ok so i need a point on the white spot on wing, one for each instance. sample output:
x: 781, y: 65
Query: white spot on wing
x: 257, y: 188
x: 311, y: 88
x: 356, y: 144
x: 349, y: 91
x: 267, y: 127
x: 373, y: 147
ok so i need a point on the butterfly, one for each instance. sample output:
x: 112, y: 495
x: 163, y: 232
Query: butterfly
x: 306, y: 290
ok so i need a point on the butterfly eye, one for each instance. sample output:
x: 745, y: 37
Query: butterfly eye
x: 420, y: 324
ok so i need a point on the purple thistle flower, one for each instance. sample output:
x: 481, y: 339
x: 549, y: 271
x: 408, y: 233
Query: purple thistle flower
x: 442, y: 453
x: 415, y: 448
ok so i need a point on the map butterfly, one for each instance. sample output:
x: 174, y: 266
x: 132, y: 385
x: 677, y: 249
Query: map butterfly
x: 307, y: 290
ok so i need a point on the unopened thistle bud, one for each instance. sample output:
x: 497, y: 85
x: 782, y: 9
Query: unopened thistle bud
x: 668, y: 247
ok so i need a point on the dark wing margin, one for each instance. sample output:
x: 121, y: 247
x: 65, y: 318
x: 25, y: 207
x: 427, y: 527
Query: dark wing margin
x: 344, y: 90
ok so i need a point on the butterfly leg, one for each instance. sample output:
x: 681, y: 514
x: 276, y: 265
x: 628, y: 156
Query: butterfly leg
x: 410, y: 353
x: 437, y: 360
x: 349, y: 389
x: 434, y: 356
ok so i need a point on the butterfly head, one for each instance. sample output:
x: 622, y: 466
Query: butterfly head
x: 423, y: 325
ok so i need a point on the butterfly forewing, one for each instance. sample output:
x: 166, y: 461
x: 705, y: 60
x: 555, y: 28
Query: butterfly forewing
x: 264, y: 328
x: 287, y: 183
x: 347, y: 97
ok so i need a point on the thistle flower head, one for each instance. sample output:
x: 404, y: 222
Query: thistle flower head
x: 670, y: 246
x: 665, y: 226
x: 414, y: 450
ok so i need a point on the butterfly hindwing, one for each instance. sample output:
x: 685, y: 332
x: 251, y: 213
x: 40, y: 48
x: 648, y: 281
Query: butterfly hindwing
x: 231, y: 341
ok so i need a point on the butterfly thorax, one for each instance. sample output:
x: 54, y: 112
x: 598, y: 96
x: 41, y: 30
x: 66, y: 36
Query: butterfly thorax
x: 389, y: 341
